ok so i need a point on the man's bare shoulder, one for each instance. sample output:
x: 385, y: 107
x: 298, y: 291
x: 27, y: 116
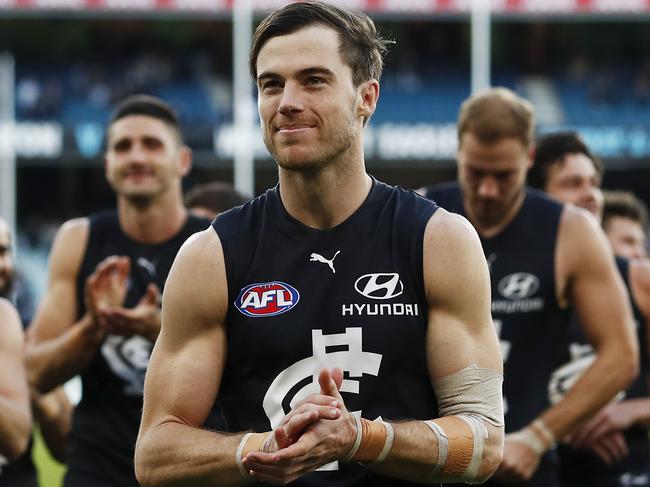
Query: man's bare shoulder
x: 581, y: 240
x: 204, y: 245
x: 453, y: 257
x: 196, y: 290
x: 69, y: 247
x: 575, y: 221
x: 450, y: 232
x: 75, y: 228
x: 10, y: 327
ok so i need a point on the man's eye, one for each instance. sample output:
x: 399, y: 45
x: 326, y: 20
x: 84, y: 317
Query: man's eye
x: 315, y: 80
x: 270, y: 84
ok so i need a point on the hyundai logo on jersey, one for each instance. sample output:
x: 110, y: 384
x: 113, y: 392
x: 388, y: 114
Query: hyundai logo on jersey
x: 385, y: 285
x: 267, y: 299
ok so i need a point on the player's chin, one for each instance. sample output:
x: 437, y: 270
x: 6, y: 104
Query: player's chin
x: 296, y: 160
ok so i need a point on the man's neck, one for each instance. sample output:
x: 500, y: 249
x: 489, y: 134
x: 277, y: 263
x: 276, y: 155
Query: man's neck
x: 489, y: 229
x: 326, y: 198
x: 152, y: 222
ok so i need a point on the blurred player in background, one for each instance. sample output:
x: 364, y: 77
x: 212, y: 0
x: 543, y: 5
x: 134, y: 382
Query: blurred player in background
x: 16, y: 468
x: 101, y: 313
x: 210, y: 199
x: 283, y: 292
x: 611, y: 449
x: 625, y: 221
x: 544, y: 258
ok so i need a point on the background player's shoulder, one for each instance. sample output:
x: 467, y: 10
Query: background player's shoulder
x: 10, y: 325
x: 197, y: 223
x: 446, y: 195
x: 245, y: 215
x: 543, y: 200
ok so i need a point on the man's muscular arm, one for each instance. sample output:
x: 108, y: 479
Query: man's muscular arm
x: 58, y: 347
x: 599, y: 297
x: 619, y: 416
x: 15, y: 415
x: 460, y: 334
x: 585, y: 270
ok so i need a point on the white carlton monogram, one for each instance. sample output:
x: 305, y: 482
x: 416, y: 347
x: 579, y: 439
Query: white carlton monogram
x: 314, y: 257
x: 380, y: 285
x: 353, y: 360
x: 128, y: 359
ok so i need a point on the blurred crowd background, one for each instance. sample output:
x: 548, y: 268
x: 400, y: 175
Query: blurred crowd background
x: 583, y: 67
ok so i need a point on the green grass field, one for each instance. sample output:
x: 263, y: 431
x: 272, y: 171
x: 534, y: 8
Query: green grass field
x: 50, y: 472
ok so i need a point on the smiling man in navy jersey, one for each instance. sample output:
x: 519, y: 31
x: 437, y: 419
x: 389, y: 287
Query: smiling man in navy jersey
x: 343, y: 325
x: 101, y: 313
x: 544, y: 259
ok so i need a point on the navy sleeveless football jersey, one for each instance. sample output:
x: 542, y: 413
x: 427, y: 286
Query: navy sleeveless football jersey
x: 582, y: 467
x: 531, y: 325
x: 19, y: 473
x: 301, y: 299
x: 106, y: 421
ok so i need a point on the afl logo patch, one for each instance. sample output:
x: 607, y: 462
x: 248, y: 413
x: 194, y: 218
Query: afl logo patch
x: 267, y: 299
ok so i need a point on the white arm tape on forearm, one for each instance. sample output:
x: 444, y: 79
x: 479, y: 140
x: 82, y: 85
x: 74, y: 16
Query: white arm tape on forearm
x: 467, y: 400
x: 472, y: 391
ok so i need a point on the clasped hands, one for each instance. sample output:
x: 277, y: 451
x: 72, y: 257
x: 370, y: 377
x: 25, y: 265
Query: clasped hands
x: 105, y: 292
x: 317, y: 431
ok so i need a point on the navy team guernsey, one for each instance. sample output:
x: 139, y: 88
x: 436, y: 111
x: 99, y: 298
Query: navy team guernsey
x: 301, y: 299
x: 582, y: 467
x: 531, y: 325
x: 106, y: 421
x: 19, y: 473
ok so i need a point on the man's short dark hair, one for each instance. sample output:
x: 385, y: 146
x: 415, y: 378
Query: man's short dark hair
x: 149, y: 106
x: 360, y: 45
x: 216, y: 196
x: 624, y: 204
x: 552, y: 149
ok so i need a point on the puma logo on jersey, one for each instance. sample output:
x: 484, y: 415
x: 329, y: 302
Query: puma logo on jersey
x: 147, y: 265
x: 319, y: 258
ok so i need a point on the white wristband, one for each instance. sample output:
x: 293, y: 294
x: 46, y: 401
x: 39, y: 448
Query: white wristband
x: 388, y: 445
x: 238, y: 459
x: 357, y: 440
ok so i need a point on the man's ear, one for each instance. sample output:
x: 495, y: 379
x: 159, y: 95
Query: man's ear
x: 368, y: 93
x: 185, y: 161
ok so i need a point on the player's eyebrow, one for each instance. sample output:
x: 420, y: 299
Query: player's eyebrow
x: 322, y: 70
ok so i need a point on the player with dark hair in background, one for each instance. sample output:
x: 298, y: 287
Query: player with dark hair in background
x: 101, y: 314
x: 612, y: 449
x: 545, y: 259
x: 210, y: 199
x: 625, y: 221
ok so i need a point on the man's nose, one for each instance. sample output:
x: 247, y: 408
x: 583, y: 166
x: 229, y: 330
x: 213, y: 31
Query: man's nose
x: 292, y: 99
x: 488, y: 187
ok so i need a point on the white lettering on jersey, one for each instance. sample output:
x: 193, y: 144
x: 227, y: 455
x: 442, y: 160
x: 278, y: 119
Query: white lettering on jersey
x: 353, y: 360
x: 128, y: 358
